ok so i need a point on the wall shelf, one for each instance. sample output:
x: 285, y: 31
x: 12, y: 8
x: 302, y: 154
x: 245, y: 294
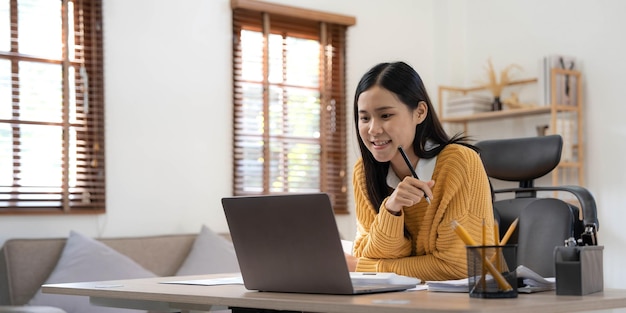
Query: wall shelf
x: 569, y: 114
x: 497, y: 115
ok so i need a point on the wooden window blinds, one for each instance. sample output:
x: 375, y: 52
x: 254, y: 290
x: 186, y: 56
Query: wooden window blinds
x: 289, y: 101
x: 51, y: 107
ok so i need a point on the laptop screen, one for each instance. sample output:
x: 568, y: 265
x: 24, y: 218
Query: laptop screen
x: 288, y: 243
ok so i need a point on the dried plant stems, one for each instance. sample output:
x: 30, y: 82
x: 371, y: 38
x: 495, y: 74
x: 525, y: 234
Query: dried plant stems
x: 496, y: 85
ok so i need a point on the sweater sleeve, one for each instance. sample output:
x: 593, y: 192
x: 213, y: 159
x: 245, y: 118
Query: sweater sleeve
x: 379, y: 235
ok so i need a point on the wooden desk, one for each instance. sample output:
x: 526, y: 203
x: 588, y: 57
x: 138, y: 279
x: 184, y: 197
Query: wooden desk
x: 152, y: 295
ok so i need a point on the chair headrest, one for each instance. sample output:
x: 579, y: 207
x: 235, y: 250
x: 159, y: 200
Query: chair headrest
x: 520, y: 159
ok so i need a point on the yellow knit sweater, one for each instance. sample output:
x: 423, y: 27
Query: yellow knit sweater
x: 434, y: 252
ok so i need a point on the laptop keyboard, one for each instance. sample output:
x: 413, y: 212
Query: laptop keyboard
x: 376, y: 279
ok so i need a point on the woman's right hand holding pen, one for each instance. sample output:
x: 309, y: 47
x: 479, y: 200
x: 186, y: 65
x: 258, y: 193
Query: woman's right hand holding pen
x: 409, y: 192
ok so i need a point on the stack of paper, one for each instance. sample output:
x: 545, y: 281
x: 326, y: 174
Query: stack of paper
x: 458, y: 285
x: 468, y: 104
x: 532, y: 282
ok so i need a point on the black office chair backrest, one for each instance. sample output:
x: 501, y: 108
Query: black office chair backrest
x: 521, y: 159
x: 543, y: 222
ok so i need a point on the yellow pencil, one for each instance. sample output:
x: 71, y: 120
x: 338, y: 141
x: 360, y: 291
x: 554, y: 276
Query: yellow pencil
x: 496, y: 237
x: 496, y: 232
x: 509, y: 232
x: 497, y: 258
x: 484, y: 239
x: 467, y: 239
x: 483, y: 256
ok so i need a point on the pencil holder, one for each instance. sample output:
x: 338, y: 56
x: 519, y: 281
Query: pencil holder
x: 489, y: 274
x: 578, y: 270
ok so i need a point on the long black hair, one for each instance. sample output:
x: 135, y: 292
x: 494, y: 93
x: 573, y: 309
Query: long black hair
x: 402, y: 80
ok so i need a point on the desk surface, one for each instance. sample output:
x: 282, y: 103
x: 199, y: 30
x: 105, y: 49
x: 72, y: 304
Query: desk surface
x: 151, y: 294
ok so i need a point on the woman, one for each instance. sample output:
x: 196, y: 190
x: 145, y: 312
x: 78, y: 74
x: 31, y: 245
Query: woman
x: 398, y: 230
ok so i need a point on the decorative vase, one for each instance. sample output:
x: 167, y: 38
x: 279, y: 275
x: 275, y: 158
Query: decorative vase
x: 496, y: 105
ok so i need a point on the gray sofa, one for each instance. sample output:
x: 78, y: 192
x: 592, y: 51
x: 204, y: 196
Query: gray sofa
x: 26, y: 264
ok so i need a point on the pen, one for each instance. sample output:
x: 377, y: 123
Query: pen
x: 408, y: 163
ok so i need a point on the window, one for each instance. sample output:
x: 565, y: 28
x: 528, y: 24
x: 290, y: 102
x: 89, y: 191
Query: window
x: 51, y: 107
x: 289, y: 101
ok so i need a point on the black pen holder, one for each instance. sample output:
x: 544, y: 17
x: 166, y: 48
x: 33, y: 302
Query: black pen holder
x: 489, y: 274
x: 579, y: 270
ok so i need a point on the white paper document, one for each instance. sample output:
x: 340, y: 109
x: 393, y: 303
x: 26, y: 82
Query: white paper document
x: 533, y: 282
x: 231, y: 280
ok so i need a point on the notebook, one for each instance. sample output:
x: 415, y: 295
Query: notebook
x: 291, y: 243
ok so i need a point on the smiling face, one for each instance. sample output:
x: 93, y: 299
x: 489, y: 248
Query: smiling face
x: 385, y: 123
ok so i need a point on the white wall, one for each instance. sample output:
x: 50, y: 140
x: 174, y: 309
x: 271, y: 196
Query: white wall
x: 168, y: 98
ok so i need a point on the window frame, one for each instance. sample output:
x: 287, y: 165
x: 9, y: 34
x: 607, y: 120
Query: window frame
x: 86, y: 195
x: 331, y: 32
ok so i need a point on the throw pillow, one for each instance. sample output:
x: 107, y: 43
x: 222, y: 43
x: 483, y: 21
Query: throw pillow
x: 29, y: 309
x: 85, y: 259
x: 210, y: 254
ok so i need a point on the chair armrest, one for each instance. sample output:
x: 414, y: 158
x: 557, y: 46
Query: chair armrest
x: 584, y: 197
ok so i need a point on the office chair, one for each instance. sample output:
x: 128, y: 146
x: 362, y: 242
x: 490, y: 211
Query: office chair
x: 544, y: 223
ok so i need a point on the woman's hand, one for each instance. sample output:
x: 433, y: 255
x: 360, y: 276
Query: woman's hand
x: 409, y: 192
x: 352, y: 262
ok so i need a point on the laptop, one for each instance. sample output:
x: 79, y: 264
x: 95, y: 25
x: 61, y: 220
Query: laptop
x: 291, y: 243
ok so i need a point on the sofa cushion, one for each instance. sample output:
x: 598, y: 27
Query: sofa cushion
x: 86, y: 259
x: 29, y: 309
x: 25, y: 266
x: 210, y: 254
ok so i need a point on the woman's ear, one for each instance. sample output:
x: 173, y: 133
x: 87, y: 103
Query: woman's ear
x: 420, y: 113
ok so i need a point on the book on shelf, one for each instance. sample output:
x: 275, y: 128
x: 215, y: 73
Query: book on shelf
x: 566, y: 127
x: 468, y: 104
x: 467, y: 111
x: 470, y: 98
x: 566, y: 85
